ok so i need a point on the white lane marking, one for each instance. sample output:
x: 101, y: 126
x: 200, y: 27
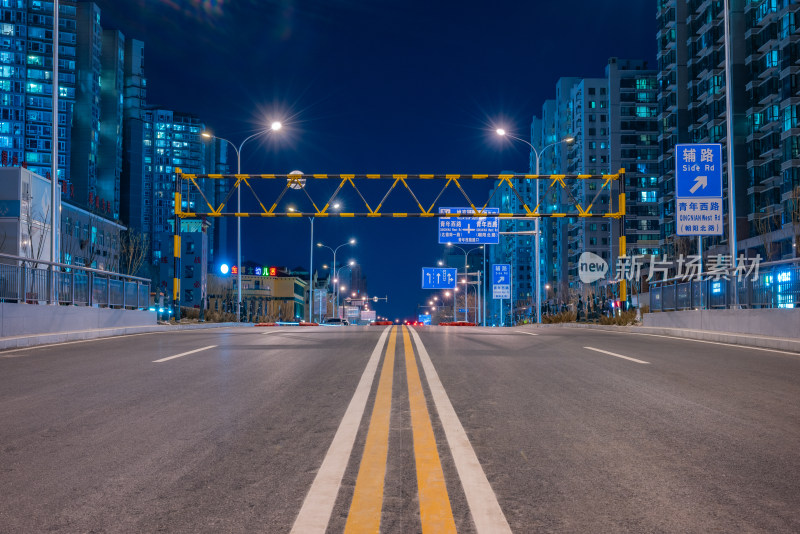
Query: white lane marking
x: 34, y: 347
x: 617, y: 355
x: 745, y: 347
x: 526, y: 333
x: 105, y: 338
x: 317, y: 507
x: 183, y: 354
x: 272, y: 332
x: 486, y: 512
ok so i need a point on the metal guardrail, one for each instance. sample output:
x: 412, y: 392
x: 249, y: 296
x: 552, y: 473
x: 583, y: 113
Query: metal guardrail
x: 777, y: 286
x: 22, y: 280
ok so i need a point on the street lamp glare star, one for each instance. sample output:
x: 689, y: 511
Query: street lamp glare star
x: 500, y: 132
x: 353, y: 241
x: 206, y: 135
x: 275, y: 126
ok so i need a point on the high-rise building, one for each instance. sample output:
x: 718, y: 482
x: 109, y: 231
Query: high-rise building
x: 86, y: 117
x: 171, y: 140
x: 109, y: 154
x: 633, y: 146
x: 133, y: 193
x: 26, y: 88
x: 692, y: 90
x: 596, y: 126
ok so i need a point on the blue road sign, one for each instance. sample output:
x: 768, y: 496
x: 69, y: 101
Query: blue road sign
x: 698, y: 189
x: 501, y: 281
x: 469, y: 230
x: 424, y: 319
x: 438, y: 278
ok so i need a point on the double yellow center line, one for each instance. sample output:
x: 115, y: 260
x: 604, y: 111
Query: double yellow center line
x: 436, y: 514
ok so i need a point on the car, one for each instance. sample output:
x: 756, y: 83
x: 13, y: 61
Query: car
x: 336, y: 321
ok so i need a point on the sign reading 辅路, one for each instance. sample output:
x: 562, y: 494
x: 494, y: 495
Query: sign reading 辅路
x: 698, y: 189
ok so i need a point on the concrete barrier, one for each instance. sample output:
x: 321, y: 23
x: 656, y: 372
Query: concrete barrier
x: 30, y: 319
x: 773, y: 322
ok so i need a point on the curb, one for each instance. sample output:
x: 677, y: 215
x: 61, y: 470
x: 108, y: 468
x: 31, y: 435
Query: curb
x: 732, y: 338
x: 84, y: 335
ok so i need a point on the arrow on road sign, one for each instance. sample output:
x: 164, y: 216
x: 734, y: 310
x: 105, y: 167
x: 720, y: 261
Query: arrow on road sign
x: 700, y: 180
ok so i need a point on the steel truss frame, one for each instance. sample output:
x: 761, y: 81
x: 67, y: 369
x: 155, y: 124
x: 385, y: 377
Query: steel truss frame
x: 298, y: 182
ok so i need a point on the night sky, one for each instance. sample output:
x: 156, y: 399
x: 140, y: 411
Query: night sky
x: 378, y: 86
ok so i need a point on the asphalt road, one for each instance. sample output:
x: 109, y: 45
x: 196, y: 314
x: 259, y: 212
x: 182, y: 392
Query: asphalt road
x: 341, y: 429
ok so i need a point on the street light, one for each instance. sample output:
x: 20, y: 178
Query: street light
x: 466, y: 273
x: 292, y: 209
x: 351, y: 242
x: 568, y: 140
x: 275, y: 126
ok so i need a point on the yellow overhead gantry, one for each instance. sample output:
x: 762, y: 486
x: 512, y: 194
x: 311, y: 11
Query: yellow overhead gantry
x: 303, y: 182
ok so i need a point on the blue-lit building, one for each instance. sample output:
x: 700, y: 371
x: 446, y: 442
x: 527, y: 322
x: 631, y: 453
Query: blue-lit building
x: 764, y: 59
x: 612, y: 123
x: 26, y: 88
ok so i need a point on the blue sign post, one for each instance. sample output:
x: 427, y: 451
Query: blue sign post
x: 438, y: 278
x: 501, y: 285
x: 469, y: 230
x: 501, y: 281
x: 698, y: 189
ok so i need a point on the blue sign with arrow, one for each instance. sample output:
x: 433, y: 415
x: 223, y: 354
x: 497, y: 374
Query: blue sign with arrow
x: 501, y: 281
x: 698, y: 189
x: 438, y: 278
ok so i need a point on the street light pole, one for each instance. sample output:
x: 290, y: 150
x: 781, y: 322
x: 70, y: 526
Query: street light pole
x: 351, y: 242
x: 55, y: 217
x: 537, y: 260
x: 311, y: 275
x: 466, y: 275
x: 275, y: 126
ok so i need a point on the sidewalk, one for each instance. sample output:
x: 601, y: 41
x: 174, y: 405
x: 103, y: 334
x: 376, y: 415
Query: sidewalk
x: 746, y: 340
x: 16, y: 342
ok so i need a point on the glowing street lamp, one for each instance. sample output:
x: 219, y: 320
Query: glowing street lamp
x: 275, y: 126
x: 537, y: 153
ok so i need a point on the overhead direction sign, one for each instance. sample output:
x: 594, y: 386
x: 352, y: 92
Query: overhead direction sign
x: 501, y: 281
x: 469, y: 230
x: 438, y: 278
x: 698, y: 189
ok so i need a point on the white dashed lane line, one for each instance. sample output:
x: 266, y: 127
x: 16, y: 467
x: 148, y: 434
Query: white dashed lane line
x: 183, y: 354
x: 617, y: 355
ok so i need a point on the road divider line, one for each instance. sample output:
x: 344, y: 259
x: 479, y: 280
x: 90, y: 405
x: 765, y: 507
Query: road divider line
x: 317, y: 507
x: 484, y: 508
x: 526, y: 333
x: 617, y: 355
x: 365, y: 509
x: 182, y: 354
x: 435, y: 511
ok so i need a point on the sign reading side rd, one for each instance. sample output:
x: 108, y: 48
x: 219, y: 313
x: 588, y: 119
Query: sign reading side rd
x: 501, y: 281
x: 469, y: 230
x: 437, y: 278
x: 698, y: 189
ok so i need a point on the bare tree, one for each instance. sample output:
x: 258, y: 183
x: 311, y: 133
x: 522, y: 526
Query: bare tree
x: 133, y: 247
x: 36, y: 225
x: 764, y: 226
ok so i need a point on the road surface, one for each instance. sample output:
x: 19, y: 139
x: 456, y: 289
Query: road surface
x: 403, y: 430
